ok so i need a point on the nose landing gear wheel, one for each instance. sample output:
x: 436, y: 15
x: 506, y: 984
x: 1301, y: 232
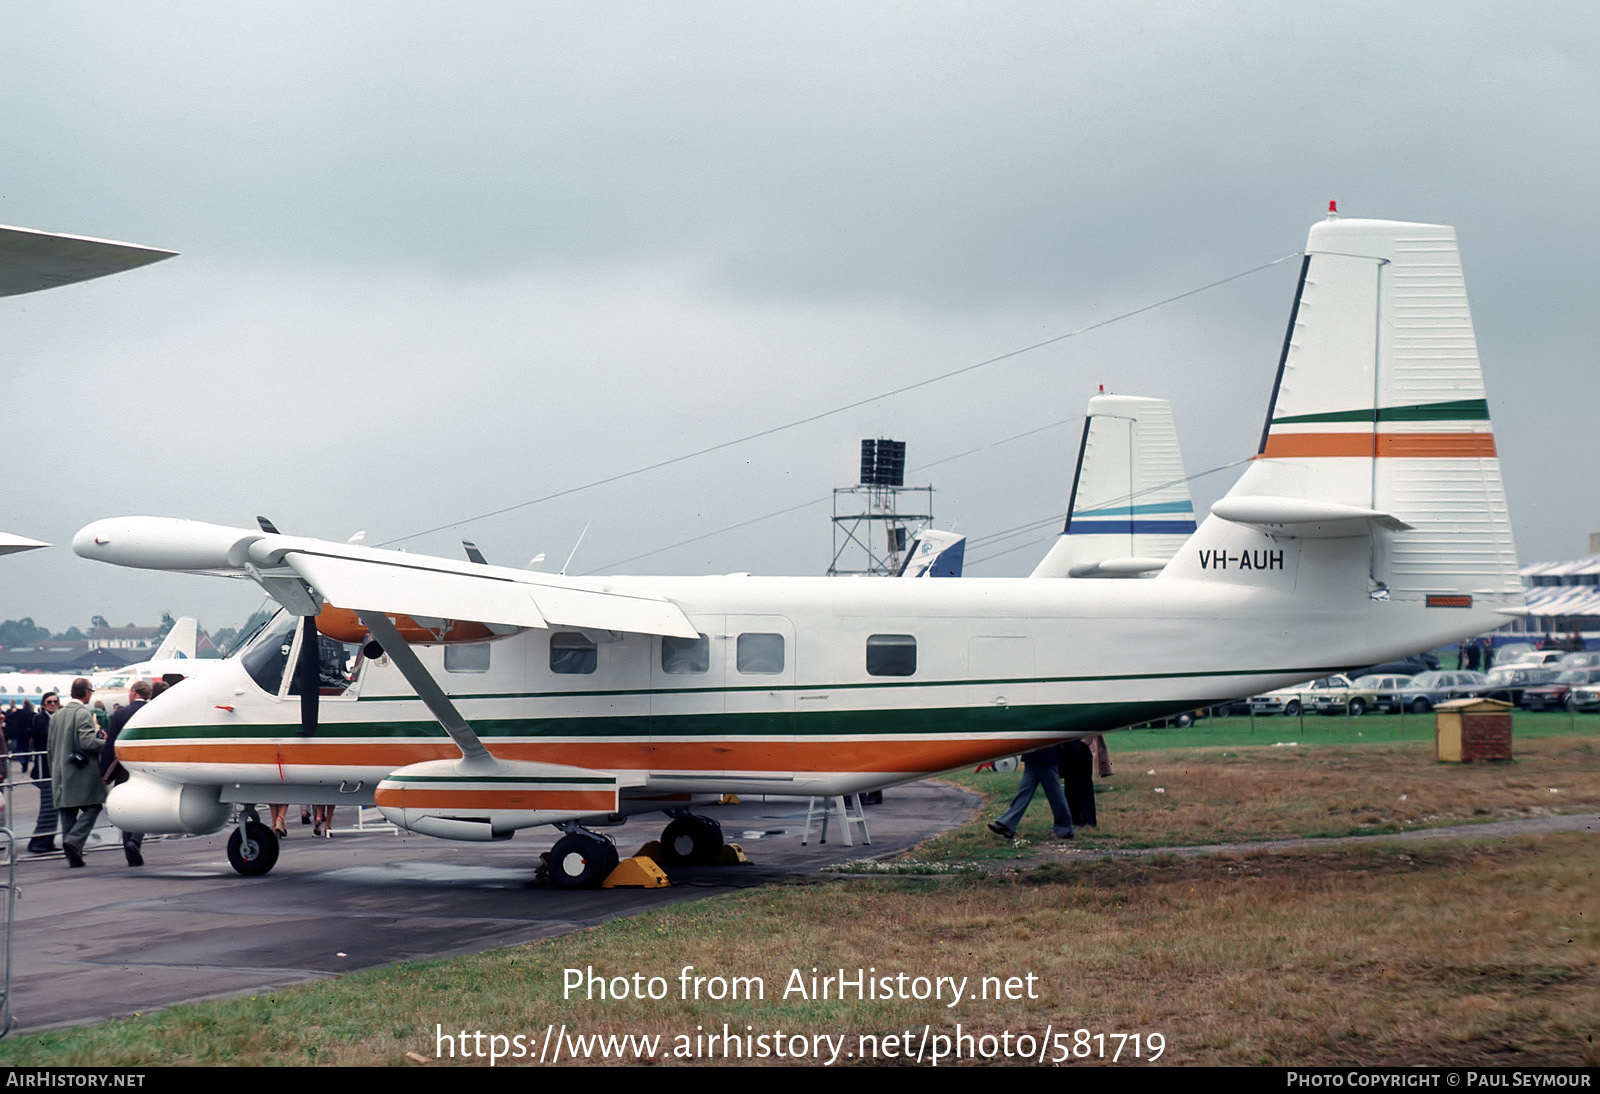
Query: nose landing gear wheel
x: 581, y: 860
x: 252, y: 849
x: 691, y: 841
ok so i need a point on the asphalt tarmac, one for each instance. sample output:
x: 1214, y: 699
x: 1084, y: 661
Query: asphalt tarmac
x: 109, y: 940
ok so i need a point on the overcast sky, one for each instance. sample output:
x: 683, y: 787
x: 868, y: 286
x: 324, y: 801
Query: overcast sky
x: 438, y: 259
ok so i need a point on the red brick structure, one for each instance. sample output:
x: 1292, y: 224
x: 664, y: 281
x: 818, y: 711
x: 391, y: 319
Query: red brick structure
x: 1472, y: 730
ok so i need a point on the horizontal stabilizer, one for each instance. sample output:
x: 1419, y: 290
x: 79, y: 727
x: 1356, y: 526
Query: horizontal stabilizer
x: 1304, y: 517
x: 1118, y: 567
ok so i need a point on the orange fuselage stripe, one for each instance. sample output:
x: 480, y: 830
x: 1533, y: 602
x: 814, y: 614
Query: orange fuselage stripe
x: 439, y: 798
x: 1366, y: 445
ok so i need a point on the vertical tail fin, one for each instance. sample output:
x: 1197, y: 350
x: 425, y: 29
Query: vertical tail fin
x: 1379, y: 412
x: 1130, y: 508
x: 180, y: 641
x: 932, y: 553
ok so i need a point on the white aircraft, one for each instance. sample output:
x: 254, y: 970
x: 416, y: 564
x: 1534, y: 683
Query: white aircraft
x: 488, y: 699
x: 19, y: 687
x: 174, y: 657
x: 1129, y: 510
x: 932, y: 553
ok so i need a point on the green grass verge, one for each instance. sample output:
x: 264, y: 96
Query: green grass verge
x: 1312, y: 729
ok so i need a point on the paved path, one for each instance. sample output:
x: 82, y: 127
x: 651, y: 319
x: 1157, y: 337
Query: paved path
x: 109, y: 940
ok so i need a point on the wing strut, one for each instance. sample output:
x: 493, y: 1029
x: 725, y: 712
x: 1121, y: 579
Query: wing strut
x: 426, y: 687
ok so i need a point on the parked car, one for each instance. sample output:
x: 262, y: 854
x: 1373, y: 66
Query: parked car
x: 1507, y: 685
x: 1429, y: 689
x: 1291, y: 700
x: 1584, y: 698
x: 1556, y: 694
x: 1406, y: 666
x: 1514, y: 651
x: 1380, y: 691
x: 1589, y: 659
x: 1530, y: 658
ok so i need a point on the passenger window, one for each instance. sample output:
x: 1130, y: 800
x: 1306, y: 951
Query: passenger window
x: 760, y: 654
x: 891, y: 655
x: 467, y: 658
x: 571, y: 654
x: 685, y: 656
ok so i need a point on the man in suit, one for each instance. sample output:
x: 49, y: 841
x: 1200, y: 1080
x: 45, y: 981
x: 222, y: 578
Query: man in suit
x: 76, y: 741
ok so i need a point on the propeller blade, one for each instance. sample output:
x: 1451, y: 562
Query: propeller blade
x: 308, y: 672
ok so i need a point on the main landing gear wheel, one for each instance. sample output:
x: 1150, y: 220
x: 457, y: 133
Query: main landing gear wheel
x: 252, y: 849
x: 691, y: 840
x: 581, y: 860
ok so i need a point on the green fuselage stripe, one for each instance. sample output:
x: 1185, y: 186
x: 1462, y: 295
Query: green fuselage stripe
x: 1464, y: 410
x: 920, y: 722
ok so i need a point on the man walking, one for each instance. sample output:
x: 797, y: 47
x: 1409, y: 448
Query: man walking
x: 76, y: 741
x: 113, y: 773
x: 1039, y: 772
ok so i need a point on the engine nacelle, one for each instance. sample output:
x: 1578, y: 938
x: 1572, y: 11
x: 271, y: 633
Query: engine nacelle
x: 451, y: 799
x: 146, y: 803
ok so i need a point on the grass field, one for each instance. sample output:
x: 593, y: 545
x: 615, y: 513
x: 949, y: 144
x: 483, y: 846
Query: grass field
x: 1469, y: 951
x: 1333, y: 728
x: 1302, y: 787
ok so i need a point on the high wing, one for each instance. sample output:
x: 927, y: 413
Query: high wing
x: 303, y: 574
x: 32, y: 260
x: 11, y: 544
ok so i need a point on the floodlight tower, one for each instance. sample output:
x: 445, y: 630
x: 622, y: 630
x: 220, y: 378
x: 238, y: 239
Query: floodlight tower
x: 881, y: 501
